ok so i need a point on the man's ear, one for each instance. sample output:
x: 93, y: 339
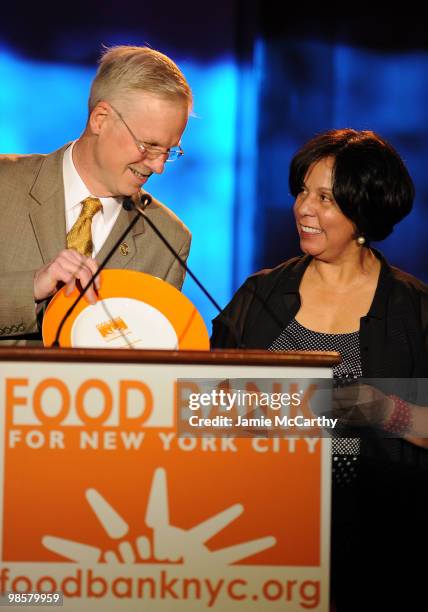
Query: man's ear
x: 98, y: 116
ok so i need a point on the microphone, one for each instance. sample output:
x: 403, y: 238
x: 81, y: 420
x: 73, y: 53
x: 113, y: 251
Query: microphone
x: 145, y: 200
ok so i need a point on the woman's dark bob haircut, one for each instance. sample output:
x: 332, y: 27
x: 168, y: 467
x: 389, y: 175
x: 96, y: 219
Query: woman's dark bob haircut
x: 371, y: 184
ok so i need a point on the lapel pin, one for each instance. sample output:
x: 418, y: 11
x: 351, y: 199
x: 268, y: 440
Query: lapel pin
x: 124, y: 249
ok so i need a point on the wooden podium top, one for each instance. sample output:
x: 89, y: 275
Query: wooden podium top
x: 215, y: 357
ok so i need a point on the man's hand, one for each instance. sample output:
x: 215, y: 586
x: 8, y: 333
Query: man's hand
x: 67, y: 267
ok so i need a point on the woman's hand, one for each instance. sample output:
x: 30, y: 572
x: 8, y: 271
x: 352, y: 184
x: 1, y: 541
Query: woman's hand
x: 361, y: 405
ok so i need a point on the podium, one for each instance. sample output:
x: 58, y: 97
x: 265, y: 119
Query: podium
x: 104, y: 502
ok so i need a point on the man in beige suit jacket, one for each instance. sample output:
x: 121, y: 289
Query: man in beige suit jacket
x: 138, y: 109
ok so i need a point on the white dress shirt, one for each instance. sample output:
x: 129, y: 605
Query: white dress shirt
x: 75, y: 191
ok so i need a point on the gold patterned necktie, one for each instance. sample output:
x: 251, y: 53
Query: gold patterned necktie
x: 80, y: 235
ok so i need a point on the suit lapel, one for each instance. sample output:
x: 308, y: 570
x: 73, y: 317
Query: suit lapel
x: 47, y: 206
x: 122, y: 257
x: 47, y: 213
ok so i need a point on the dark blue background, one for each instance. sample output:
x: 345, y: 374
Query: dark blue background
x: 263, y: 85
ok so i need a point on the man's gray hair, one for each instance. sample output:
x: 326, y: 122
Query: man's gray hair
x: 124, y: 69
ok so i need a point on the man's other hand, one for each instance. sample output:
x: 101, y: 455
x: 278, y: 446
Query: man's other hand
x: 67, y: 267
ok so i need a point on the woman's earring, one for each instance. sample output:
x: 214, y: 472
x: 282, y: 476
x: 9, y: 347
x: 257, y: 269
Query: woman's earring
x: 361, y: 240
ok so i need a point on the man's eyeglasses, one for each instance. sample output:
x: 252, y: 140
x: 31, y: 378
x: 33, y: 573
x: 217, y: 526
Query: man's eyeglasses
x: 150, y: 151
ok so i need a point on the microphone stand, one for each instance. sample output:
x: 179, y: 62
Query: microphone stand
x: 129, y: 204
x: 147, y: 199
x: 141, y: 211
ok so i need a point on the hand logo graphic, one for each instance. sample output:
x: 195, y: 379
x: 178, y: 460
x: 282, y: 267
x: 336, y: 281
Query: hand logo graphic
x: 170, y: 544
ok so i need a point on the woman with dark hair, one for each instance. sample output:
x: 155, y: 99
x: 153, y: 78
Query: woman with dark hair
x: 351, y: 187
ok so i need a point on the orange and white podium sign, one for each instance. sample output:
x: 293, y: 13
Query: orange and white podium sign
x: 101, y: 500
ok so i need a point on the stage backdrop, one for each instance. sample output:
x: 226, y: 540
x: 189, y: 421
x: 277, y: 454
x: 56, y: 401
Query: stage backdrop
x: 263, y: 85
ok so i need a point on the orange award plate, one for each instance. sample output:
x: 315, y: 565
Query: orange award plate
x: 134, y: 310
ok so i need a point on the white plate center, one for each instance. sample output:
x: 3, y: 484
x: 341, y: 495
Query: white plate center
x: 123, y: 323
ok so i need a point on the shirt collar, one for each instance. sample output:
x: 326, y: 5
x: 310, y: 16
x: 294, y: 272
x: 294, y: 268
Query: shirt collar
x: 75, y: 190
x: 290, y: 282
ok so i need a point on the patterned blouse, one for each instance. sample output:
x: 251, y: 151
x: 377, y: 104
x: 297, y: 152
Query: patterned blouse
x: 295, y: 337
